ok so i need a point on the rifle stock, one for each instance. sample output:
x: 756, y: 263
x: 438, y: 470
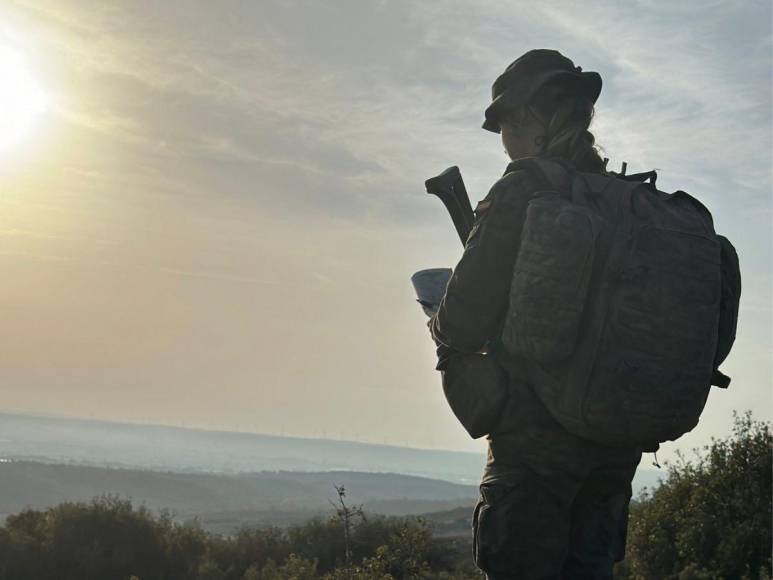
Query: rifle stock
x: 449, y: 187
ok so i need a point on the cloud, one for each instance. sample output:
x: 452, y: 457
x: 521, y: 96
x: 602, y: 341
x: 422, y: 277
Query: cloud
x: 21, y: 233
x: 693, y: 98
x: 279, y: 149
x: 217, y: 276
x: 36, y: 257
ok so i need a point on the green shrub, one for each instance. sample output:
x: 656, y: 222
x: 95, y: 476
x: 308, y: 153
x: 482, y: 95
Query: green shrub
x: 711, y: 517
x: 106, y: 538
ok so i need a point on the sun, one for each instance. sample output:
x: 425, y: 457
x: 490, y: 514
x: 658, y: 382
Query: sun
x: 22, y: 100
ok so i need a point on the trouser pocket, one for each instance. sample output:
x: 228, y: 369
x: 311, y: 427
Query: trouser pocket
x: 522, y: 527
x: 491, y: 521
x: 475, y: 514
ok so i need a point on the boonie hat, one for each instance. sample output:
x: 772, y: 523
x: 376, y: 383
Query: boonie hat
x: 526, y: 75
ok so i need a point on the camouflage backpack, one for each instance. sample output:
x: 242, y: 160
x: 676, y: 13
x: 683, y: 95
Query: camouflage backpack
x: 623, y: 304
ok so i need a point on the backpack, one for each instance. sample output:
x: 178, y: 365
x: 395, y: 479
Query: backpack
x: 623, y: 304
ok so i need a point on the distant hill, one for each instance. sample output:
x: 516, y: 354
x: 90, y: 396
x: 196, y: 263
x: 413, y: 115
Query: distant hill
x: 223, y: 502
x: 182, y: 450
x: 60, y: 440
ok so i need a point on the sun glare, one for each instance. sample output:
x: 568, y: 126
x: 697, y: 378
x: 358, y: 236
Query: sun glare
x: 22, y: 100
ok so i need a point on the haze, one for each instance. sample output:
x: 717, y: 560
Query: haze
x: 215, y: 223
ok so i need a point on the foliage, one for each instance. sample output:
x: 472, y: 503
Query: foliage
x: 109, y: 538
x: 295, y: 568
x: 711, y: 518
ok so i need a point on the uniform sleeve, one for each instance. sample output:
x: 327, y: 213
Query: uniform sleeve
x: 473, y: 308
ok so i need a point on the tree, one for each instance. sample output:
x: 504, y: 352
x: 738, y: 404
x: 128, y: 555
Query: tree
x: 346, y: 515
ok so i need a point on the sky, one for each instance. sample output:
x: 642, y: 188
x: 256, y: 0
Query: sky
x: 214, y: 221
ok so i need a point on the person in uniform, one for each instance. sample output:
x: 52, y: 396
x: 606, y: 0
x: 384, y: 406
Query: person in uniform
x: 552, y: 505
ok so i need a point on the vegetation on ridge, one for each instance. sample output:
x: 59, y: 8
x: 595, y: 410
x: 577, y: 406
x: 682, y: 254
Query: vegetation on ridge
x: 710, y: 519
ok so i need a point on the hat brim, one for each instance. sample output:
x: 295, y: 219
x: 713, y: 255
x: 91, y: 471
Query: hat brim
x: 588, y: 83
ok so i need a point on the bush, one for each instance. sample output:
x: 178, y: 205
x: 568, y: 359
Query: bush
x: 104, y: 539
x: 711, y: 518
x: 108, y: 538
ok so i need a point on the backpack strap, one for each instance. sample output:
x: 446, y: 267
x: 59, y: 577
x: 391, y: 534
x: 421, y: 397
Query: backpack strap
x: 552, y: 173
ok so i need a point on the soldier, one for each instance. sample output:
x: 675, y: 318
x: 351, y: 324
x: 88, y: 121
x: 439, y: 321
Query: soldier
x: 552, y: 504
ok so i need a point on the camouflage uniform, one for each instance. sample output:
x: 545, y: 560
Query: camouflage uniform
x: 552, y: 505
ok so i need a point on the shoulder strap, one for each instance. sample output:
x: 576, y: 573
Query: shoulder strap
x: 553, y: 172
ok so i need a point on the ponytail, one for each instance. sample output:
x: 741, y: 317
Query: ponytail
x: 567, y: 133
x: 566, y: 118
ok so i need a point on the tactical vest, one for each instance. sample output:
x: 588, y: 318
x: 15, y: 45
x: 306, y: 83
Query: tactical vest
x: 623, y: 303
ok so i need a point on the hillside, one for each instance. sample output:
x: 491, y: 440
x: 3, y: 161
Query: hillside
x: 61, y: 440
x: 182, y: 450
x: 224, y: 502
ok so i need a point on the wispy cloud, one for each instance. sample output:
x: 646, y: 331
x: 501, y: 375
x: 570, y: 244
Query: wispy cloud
x: 22, y: 233
x: 36, y: 257
x: 279, y: 149
x: 696, y: 99
x: 218, y: 276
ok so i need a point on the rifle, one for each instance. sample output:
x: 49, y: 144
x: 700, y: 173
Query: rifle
x: 430, y: 284
x: 476, y: 386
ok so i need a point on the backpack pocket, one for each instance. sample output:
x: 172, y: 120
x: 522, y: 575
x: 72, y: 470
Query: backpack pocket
x: 656, y: 356
x: 550, y: 279
x: 728, y: 306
